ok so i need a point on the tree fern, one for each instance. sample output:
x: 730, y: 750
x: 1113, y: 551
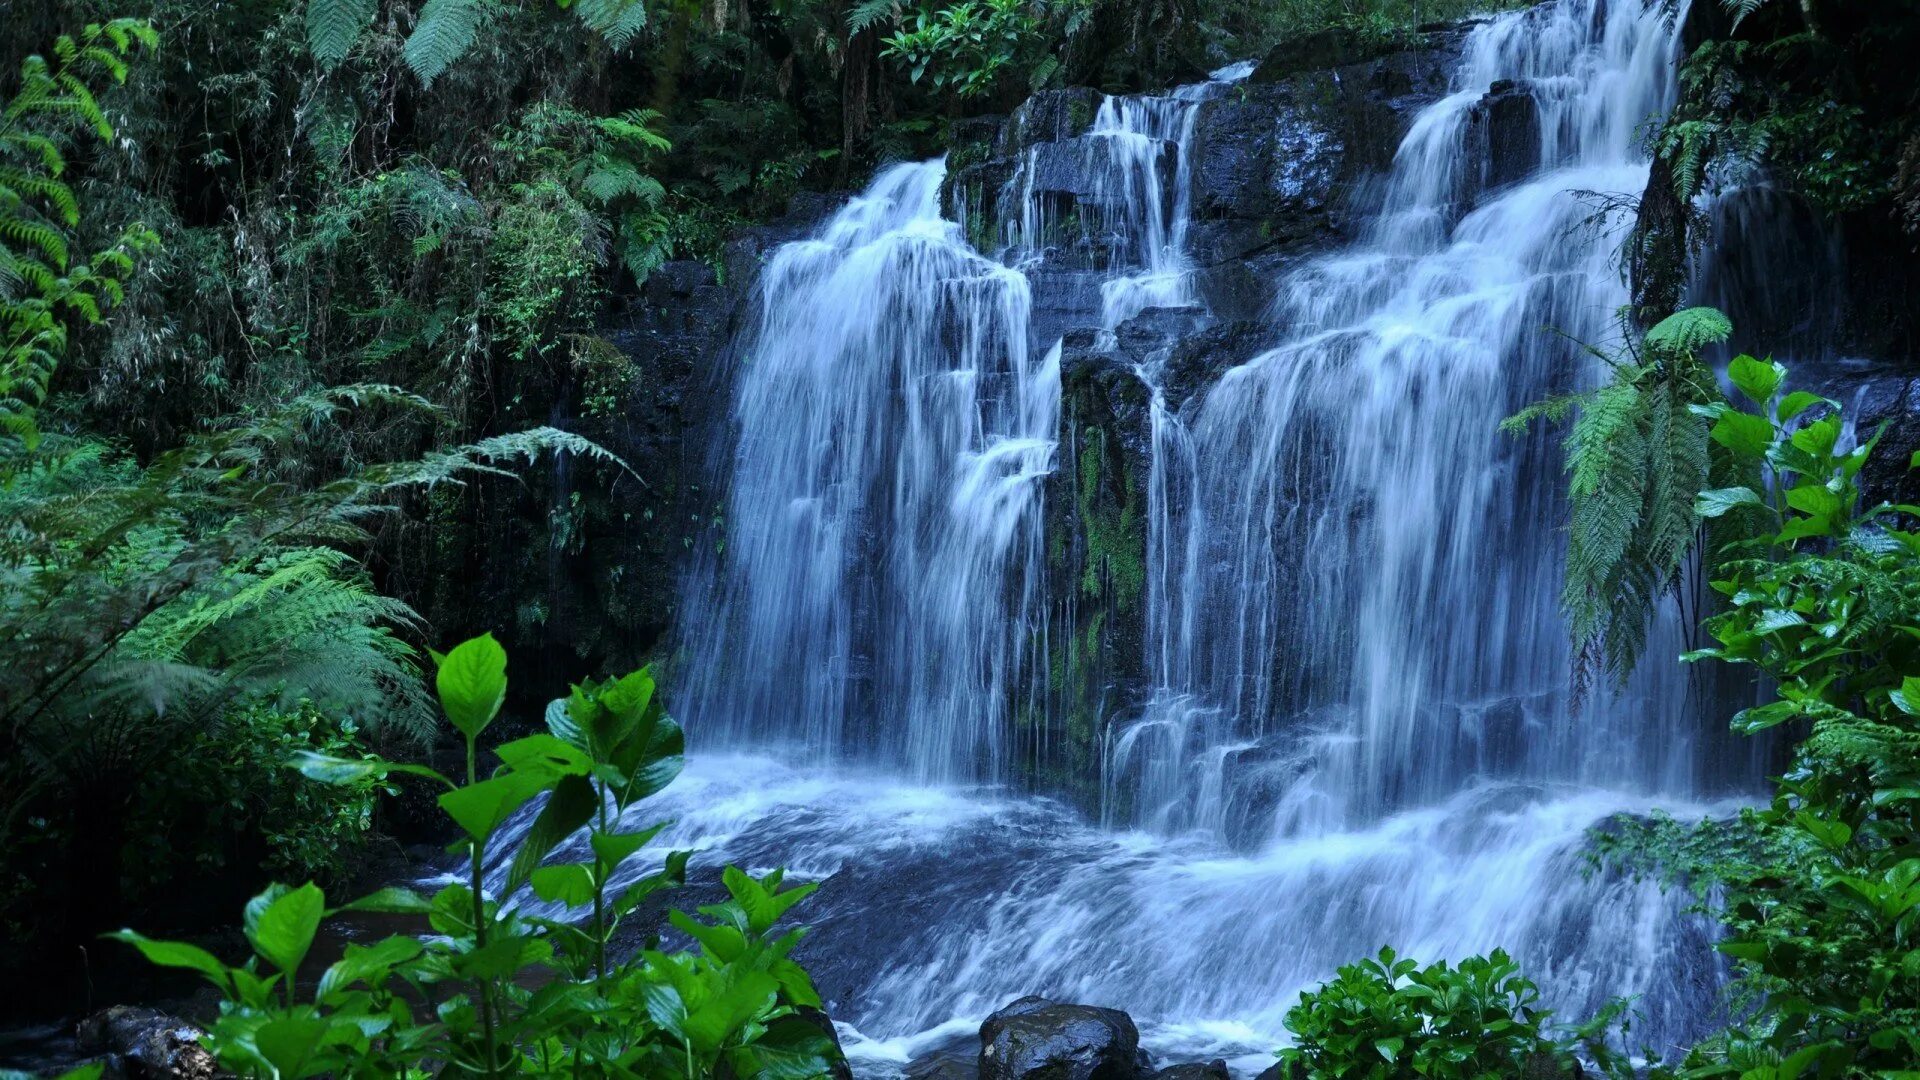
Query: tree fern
x: 42, y: 286
x: 334, y: 25
x: 619, y: 21
x: 445, y: 31
x: 1637, y: 457
x: 867, y: 13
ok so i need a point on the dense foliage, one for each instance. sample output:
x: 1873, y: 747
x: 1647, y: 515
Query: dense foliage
x: 516, y: 994
x: 1390, y: 1017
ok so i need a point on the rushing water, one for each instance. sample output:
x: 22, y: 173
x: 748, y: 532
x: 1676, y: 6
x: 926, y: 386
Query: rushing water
x: 1352, y: 588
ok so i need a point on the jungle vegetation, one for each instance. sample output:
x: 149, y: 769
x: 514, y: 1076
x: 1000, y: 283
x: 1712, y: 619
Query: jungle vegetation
x: 303, y: 371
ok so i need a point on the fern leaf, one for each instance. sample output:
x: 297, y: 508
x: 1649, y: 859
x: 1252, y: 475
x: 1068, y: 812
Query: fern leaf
x: 868, y: 13
x: 1686, y: 331
x: 334, y: 25
x: 446, y: 31
x: 619, y: 21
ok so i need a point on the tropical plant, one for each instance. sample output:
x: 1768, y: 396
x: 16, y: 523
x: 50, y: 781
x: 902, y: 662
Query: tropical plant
x: 42, y: 285
x: 967, y: 46
x: 520, y: 994
x: 1637, y: 455
x: 444, y: 31
x: 142, y: 607
x: 1386, y: 1018
x: 1819, y: 892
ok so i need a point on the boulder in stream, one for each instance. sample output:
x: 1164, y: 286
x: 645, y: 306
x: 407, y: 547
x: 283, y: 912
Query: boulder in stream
x: 145, y: 1044
x: 1036, y: 1039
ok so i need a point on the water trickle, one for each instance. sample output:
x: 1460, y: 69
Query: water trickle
x: 1357, y: 730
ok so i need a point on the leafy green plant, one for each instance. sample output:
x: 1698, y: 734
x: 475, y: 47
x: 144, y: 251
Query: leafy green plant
x: 1637, y: 455
x: 965, y: 47
x: 1388, y: 1017
x: 229, y: 799
x: 1823, y: 599
x: 444, y: 31
x: 43, y: 287
x: 517, y: 994
x: 1819, y: 892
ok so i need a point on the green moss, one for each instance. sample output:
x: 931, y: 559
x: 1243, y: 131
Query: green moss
x: 1079, y: 115
x: 1115, y: 536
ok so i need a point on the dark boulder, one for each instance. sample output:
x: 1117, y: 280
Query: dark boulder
x: 1036, y: 1039
x: 1051, y: 116
x: 1319, y: 51
x: 146, y: 1044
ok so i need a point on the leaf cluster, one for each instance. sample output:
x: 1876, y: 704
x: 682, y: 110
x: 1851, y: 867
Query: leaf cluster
x: 511, y: 993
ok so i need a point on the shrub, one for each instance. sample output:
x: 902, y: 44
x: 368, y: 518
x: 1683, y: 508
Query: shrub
x: 517, y: 994
x: 1388, y: 1017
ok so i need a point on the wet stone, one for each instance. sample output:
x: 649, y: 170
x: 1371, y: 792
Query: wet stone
x: 1036, y: 1039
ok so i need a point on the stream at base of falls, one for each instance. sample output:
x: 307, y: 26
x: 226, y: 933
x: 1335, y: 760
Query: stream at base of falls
x: 1353, y: 725
x: 940, y: 904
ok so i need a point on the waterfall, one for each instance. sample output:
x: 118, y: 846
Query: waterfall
x: 877, y: 595
x: 1357, y: 554
x: 1357, y: 728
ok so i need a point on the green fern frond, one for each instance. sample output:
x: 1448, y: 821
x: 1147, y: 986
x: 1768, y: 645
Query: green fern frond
x: 1688, y: 331
x: 446, y: 31
x: 334, y: 25
x: 868, y: 13
x: 619, y: 21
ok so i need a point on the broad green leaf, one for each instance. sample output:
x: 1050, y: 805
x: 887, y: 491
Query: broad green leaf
x: 572, y: 804
x: 1815, y: 500
x: 1757, y: 379
x: 392, y: 900
x: 366, y: 963
x: 176, y: 954
x: 1907, y: 698
x: 723, y: 943
x: 570, y: 884
x: 281, y: 929
x: 1819, y: 437
x: 545, y: 754
x: 710, y: 1026
x: 1743, y: 433
x: 481, y: 808
x: 1800, y: 401
x: 337, y: 770
x: 287, y: 1042
x: 504, y: 957
x: 1716, y: 502
x: 472, y: 681
x: 614, y: 848
x: 1749, y: 721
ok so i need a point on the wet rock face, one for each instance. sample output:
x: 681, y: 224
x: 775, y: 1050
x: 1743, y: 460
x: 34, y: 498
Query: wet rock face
x: 145, y: 1044
x: 1036, y: 1039
x: 1503, y: 132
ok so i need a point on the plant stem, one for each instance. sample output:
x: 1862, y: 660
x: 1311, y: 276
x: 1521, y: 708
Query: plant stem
x: 478, y: 852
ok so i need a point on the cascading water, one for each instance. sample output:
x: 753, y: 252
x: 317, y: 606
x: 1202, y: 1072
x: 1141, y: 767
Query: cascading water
x: 893, y: 429
x: 1351, y: 583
